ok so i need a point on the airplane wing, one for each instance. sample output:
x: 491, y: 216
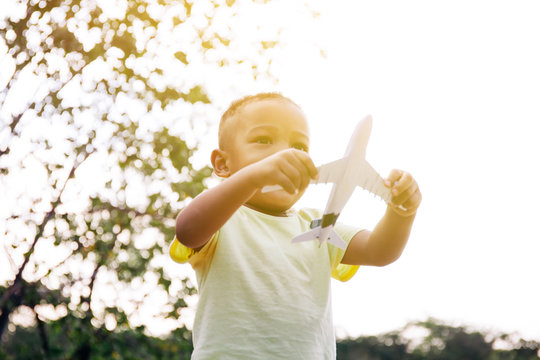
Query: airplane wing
x: 370, y: 180
x: 331, y: 172
x: 314, y: 234
x: 336, y: 240
x: 308, y: 235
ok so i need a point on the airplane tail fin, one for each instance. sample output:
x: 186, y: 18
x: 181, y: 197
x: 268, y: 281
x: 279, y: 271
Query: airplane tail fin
x: 336, y: 240
x: 308, y: 235
x: 332, y: 237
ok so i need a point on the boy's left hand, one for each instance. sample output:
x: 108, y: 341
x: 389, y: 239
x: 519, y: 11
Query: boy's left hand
x: 406, y: 196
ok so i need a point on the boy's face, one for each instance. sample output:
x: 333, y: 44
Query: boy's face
x: 259, y: 130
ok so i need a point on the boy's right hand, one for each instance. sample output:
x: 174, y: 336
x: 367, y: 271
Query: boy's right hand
x: 291, y: 169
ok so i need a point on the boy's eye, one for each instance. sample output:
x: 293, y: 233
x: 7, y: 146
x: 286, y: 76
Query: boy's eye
x: 263, y: 140
x: 301, y: 147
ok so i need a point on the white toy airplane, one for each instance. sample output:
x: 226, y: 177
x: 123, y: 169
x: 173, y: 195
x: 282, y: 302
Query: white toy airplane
x: 346, y: 173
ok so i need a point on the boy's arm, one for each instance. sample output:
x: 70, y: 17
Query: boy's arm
x: 386, y: 242
x: 206, y: 214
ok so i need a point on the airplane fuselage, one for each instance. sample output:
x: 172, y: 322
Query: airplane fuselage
x: 342, y: 189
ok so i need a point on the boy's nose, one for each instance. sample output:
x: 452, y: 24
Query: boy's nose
x: 283, y: 145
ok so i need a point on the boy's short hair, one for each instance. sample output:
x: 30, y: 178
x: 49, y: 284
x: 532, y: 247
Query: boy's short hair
x: 240, y: 103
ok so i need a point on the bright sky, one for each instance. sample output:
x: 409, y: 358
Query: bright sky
x: 454, y: 90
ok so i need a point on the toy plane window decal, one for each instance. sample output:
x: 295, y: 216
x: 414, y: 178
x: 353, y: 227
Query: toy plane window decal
x: 346, y: 173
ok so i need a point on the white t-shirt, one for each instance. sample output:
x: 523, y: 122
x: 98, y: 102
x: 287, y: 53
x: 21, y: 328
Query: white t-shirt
x: 262, y: 296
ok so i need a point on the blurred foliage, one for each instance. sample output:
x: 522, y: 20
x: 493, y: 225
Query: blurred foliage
x: 63, y: 339
x: 97, y: 113
x: 429, y: 340
x: 434, y: 340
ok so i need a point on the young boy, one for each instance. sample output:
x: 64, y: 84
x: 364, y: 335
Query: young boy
x: 261, y: 296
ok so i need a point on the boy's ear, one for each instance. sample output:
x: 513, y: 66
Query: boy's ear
x: 219, y: 163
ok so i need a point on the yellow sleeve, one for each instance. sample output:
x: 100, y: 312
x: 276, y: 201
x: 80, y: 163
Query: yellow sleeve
x: 343, y: 272
x: 179, y: 252
x: 199, y: 258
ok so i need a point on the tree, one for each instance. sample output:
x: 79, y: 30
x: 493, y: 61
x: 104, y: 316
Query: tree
x: 96, y: 154
x: 448, y: 343
x: 384, y: 347
x: 434, y: 340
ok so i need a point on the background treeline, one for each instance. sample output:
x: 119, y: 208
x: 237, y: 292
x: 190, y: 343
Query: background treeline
x: 433, y: 340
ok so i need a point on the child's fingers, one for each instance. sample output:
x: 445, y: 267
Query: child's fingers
x: 285, y: 181
x: 292, y: 173
x: 406, y: 196
x: 414, y: 201
x: 392, y: 178
x: 403, y: 183
x: 399, y: 181
x: 403, y: 197
x: 303, y: 163
x: 410, y: 206
x: 307, y: 163
x: 293, y: 170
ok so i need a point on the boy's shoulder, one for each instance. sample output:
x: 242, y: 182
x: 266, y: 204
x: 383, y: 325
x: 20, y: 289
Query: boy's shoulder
x: 309, y: 214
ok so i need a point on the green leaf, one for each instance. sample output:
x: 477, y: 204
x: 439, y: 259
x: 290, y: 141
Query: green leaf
x: 180, y: 55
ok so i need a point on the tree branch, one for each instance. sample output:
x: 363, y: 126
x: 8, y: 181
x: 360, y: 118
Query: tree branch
x: 32, y: 104
x: 42, y: 335
x: 18, y: 69
x: 16, y: 290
